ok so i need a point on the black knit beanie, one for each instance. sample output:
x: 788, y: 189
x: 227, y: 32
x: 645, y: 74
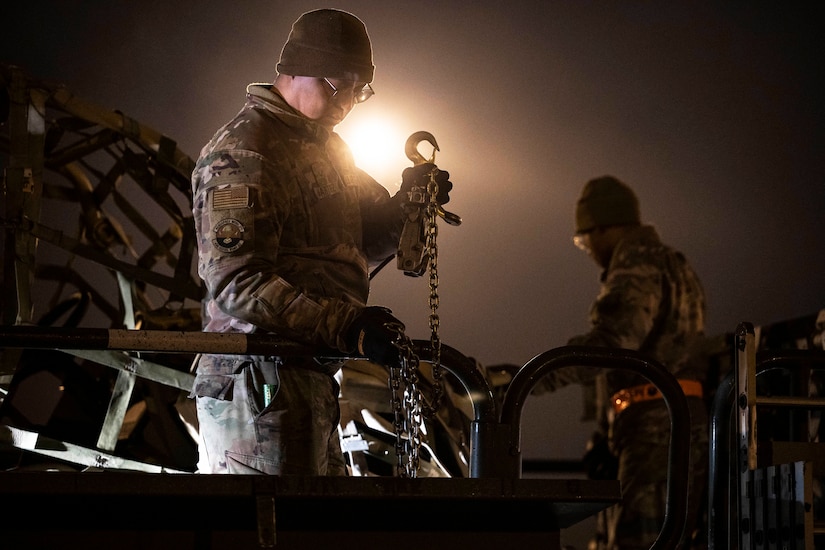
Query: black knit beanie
x: 328, y: 43
x: 606, y: 201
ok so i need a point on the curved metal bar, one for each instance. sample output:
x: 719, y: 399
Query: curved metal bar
x: 775, y: 358
x: 719, y: 457
x: 485, y: 431
x: 470, y: 376
x: 718, y: 478
x: 678, y: 452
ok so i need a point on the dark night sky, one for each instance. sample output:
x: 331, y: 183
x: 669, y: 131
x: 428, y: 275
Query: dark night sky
x: 710, y: 110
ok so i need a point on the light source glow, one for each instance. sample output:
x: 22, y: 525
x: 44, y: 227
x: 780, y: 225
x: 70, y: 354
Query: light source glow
x: 378, y: 147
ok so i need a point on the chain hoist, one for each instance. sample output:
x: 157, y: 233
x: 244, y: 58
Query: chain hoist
x: 417, y: 251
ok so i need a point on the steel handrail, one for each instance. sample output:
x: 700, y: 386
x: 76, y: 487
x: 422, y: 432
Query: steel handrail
x: 719, y: 495
x: 676, y: 507
x: 462, y: 367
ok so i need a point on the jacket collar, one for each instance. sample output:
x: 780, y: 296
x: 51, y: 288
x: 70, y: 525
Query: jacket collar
x: 267, y: 97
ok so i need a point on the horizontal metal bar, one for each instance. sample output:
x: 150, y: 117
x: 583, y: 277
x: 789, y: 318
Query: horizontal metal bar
x: 785, y: 401
x: 27, y: 337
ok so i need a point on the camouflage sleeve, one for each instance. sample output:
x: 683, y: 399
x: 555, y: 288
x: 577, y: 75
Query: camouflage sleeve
x: 622, y: 316
x: 627, y: 307
x: 239, y: 220
x: 381, y: 215
x: 383, y: 219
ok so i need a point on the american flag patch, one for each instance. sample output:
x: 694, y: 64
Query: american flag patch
x: 230, y: 197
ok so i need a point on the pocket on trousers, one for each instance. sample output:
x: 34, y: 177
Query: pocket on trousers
x: 217, y: 386
x: 215, y: 377
x: 262, y: 385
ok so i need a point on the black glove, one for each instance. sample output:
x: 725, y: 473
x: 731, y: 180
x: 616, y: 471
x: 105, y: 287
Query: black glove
x: 599, y: 460
x: 419, y: 176
x: 373, y: 333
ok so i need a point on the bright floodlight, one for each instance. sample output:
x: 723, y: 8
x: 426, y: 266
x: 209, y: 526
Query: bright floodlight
x: 378, y: 147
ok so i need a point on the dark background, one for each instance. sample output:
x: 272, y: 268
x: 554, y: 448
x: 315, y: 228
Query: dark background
x: 712, y: 111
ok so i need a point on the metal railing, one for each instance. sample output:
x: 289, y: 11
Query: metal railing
x: 508, y: 445
x: 495, y: 441
x: 736, y: 404
x: 102, y: 345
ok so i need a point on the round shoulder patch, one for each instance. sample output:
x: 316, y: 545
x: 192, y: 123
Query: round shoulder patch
x: 228, y: 235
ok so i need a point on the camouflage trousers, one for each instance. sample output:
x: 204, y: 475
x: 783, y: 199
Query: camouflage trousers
x: 295, y: 434
x: 641, y: 436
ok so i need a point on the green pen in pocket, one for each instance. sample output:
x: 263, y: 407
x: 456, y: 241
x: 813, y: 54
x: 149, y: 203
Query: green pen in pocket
x: 269, y: 393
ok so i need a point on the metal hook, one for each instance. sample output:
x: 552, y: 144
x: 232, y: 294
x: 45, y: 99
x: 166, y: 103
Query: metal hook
x: 411, y: 147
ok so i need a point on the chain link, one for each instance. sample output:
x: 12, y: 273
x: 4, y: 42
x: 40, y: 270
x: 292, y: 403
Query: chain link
x: 398, y: 421
x: 432, y: 266
x: 408, y: 405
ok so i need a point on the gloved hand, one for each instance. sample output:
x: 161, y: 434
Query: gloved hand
x: 599, y: 460
x: 419, y: 176
x: 373, y: 333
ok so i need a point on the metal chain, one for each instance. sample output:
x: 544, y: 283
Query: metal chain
x: 407, y: 407
x: 398, y: 421
x: 431, y: 244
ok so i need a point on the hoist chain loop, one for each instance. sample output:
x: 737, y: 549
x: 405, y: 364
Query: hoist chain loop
x: 407, y: 407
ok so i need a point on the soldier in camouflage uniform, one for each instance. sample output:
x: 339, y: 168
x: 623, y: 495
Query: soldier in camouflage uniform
x: 652, y: 301
x: 288, y: 228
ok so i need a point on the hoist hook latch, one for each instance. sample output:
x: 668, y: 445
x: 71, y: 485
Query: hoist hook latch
x: 411, y: 147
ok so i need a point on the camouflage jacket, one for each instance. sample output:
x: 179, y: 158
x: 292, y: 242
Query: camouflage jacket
x: 287, y: 225
x: 650, y: 300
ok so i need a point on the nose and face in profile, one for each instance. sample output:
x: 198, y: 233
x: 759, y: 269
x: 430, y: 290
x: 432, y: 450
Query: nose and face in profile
x: 326, y: 100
